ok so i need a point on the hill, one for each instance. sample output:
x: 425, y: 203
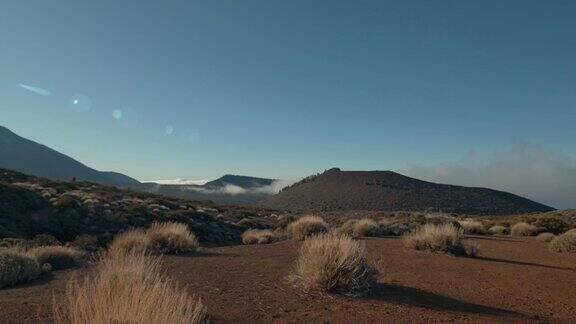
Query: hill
x: 336, y: 190
x: 23, y: 155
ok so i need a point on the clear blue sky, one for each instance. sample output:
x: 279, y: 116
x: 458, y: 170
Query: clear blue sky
x: 196, y: 89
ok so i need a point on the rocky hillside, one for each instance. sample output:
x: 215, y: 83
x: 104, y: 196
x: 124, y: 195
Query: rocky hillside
x: 336, y: 190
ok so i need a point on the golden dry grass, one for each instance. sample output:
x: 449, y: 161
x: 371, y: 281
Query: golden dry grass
x: 307, y: 226
x: 470, y: 226
x: 256, y: 236
x: 523, y: 229
x: 545, y: 237
x: 445, y: 238
x: 134, y: 240
x: 58, y: 257
x: 333, y: 262
x: 365, y: 227
x: 16, y: 267
x: 498, y: 230
x: 172, y: 238
x: 128, y: 288
x: 564, y: 243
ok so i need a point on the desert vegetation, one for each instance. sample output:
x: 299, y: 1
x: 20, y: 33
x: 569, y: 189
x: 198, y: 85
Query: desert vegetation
x: 498, y: 230
x: 256, y: 236
x: 128, y: 288
x: 470, y: 226
x: 564, y: 243
x: 523, y: 229
x: 307, y: 226
x: 443, y: 238
x: 167, y: 238
x: 16, y: 266
x: 58, y: 257
x: 545, y: 237
x: 333, y: 262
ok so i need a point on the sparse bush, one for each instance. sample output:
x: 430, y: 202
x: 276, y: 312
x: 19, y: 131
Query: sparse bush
x: 247, y: 223
x: 336, y: 263
x: 256, y: 236
x: 365, y: 227
x: 44, y: 240
x: 552, y: 225
x: 397, y: 227
x: 545, y: 237
x: 128, y: 288
x: 172, y: 238
x: 86, y: 242
x: 284, y: 220
x: 131, y: 241
x: 17, y: 267
x: 347, y: 228
x: 470, y: 226
x: 307, y: 226
x: 440, y: 238
x: 564, y: 243
x: 498, y: 230
x: 523, y: 229
x: 59, y: 257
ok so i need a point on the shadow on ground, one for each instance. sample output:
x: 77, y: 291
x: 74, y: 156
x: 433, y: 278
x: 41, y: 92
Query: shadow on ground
x: 415, y: 297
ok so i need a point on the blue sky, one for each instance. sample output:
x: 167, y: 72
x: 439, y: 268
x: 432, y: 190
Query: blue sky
x: 196, y: 89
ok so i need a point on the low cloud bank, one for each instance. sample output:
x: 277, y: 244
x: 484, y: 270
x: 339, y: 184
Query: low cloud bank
x: 229, y: 189
x: 179, y: 182
x: 530, y: 171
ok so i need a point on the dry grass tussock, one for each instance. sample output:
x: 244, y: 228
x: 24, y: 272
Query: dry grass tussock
x: 172, y: 238
x: 470, y: 226
x: 443, y: 238
x: 58, y: 257
x: 498, y: 230
x: 169, y: 238
x: 307, y: 226
x: 16, y: 267
x: 564, y: 243
x: 128, y: 288
x: 359, y: 228
x: 545, y: 237
x: 523, y: 229
x: 256, y: 236
x: 333, y: 262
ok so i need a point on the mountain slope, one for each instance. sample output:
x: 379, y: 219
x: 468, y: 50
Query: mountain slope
x: 336, y: 190
x: 23, y: 155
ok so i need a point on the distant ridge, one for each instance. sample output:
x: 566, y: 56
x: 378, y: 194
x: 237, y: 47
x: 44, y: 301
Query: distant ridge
x: 336, y: 190
x: 26, y: 156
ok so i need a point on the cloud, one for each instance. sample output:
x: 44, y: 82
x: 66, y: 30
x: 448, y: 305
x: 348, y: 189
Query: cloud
x: 531, y: 171
x: 36, y: 90
x: 179, y: 182
x: 233, y: 190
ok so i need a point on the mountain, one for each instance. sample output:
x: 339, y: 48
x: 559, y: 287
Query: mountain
x: 228, y: 189
x: 26, y: 156
x: 336, y: 190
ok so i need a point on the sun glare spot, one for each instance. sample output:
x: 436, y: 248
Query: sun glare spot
x: 117, y: 114
x: 169, y: 129
x: 80, y: 103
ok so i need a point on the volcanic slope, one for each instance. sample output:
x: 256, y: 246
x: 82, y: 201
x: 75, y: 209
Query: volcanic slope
x: 336, y: 190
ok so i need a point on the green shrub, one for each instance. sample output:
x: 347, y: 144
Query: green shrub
x: 552, y: 225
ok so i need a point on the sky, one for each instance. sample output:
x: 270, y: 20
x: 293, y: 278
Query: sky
x: 284, y: 89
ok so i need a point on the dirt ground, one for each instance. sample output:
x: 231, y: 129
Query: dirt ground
x: 513, y: 280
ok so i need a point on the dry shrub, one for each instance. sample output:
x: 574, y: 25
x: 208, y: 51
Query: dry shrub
x: 16, y: 266
x: 523, y: 229
x: 172, y: 238
x: 440, y: 238
x: 470, y: 226
x: 564, y: 243
x: 128, y: 288
x: 284, y: 220
x: 347, y: 228
x: 365, y: 227
x: 256, y: 236
x: 133, y: 240
x: 498, y: 230
x: 545, y: 237
x: 333, y: 262
x: 307, y: 226
x: 59, y: 257
x: 397, y: 227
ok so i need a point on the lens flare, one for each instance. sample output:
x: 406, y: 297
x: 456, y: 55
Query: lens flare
x: 80, y: 103
x: 117, y: 114
x: 169, y: 129
x: 36, y: 90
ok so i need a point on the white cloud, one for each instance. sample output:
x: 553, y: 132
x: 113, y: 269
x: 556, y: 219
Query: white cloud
x: 179, y: 182
x: 531, y: 171
x: 229, y: 189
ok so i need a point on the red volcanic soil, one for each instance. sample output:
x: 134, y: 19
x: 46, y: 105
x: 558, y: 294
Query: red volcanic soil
x: 513, y: 280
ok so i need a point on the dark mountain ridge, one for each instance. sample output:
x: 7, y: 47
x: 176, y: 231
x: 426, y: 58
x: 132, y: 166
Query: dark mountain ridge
x: 336, y: 190
x: 26, y: 156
